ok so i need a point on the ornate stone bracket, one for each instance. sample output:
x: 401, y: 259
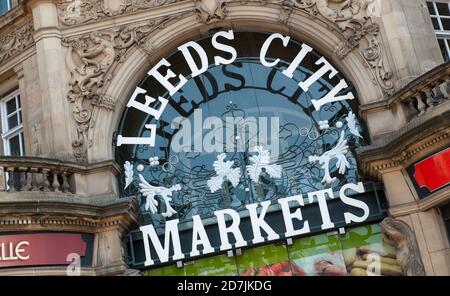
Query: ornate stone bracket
x: 91, y: 60
x: 16, y: 41
x: 402, y: 237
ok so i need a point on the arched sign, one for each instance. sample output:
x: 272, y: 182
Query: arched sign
x: 234, y: 131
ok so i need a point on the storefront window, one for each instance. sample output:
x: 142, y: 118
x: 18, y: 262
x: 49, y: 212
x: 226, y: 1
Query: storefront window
x: 361, y: 251
x: 368, y: 252
x: 269, y: 260
x: 212, y: 266
x: 317, y: 255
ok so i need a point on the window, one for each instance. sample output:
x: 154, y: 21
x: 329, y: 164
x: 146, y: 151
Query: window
x: 247, y: 102
x: 12, y: 125
x: 440, y: 17
x: 5, y: 6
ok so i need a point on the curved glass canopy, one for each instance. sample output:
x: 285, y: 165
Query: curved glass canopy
x: 231, y: 111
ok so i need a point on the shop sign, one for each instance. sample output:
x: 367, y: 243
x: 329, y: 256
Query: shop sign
x: 431, y: 173
x: 36, y: 249
x: 261, y: 163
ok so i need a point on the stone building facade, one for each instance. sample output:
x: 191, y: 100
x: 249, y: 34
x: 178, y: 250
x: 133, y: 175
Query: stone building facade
x: 69, y: 68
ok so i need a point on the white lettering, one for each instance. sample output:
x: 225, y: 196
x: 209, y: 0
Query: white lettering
x: 322, y: 200
x: 226, y: 48
x: 190, y: 60
x: 319, y: 74
x: 146, y: 106
x: 199, y: 237
x: 138, y: 140
x: 258, y: 223
x: 349, y: 217
x: 331, y: 96
x: 289, y: 72
x: 171, y: 231
x: 233, y: 229
x: 288, y: 216
x: 164, y: 80
x: 265, y: 48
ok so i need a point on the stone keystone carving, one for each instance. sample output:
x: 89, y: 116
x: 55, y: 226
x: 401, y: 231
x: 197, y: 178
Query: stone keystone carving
x: 408, y: 253
x: 209, y: 11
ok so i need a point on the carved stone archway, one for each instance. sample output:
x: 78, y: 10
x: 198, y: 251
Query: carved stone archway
x: 362, y: 64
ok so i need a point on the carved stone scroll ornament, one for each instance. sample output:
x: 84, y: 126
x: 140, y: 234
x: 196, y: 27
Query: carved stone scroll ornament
x: 353, y: 20
x: 91, y: 60
x: 75, y: 12
x: 403, y: 238
x: 16, y: 41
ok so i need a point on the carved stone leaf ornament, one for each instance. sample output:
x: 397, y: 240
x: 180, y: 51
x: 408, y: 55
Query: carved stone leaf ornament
x: 353, y: 18
x: 16, y: 41
x: 75, y: 12
x: 90, y: 59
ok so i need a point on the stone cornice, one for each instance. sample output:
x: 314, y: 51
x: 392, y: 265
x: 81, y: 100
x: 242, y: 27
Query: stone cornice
x: 39, y: 211
x: 423, y: 135
x: 434, y: 200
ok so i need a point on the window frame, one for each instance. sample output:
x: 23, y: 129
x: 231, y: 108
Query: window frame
x: 441, y: 33
x: 7, y: 133
x: 8, y: 7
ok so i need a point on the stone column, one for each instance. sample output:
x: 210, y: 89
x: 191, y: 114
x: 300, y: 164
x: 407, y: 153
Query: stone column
x: 109, y: 253
x: 398, y: 192
x: 56, y: 114
x: 410, y: 38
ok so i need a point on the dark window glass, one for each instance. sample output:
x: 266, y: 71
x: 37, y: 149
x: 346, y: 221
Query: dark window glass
x: 12, y: 121
x: 446, y: 216
x: 435, y: 23
x: 18, y: 101
x: 431, y: 8
x: 443, y: 8
x: 10, y: 106
x: 443, y: 49
x: 445, y: 24
x: 14, y: 145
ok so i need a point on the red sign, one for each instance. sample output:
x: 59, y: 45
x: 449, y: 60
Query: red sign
x: 40, y: 249
x: 434, y: 172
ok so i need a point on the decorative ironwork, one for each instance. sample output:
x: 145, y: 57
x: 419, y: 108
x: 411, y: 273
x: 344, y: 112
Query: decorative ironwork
x: 298, y: 176
x: 304, y: 135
